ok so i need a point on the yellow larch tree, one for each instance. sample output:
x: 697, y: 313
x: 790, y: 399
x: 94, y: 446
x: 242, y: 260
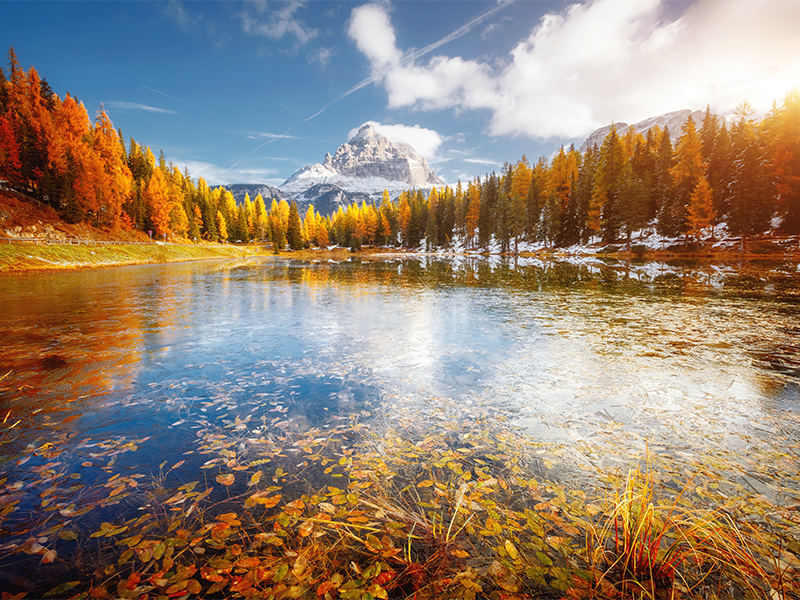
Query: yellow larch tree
x: 700, y: 212
x: 156, y: 197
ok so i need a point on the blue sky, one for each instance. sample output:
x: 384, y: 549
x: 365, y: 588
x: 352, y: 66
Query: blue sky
x: 253, y: 91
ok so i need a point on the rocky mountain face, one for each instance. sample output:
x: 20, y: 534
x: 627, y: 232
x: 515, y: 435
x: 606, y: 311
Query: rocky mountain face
x: 360, y: 169
x: 674, y: 121
x: 370, y: 154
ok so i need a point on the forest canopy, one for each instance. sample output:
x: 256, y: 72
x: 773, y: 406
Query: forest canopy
x: 745, y: 174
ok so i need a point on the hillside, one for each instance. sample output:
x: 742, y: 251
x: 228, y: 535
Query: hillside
x: 80, y: 246
x: 20, y: 218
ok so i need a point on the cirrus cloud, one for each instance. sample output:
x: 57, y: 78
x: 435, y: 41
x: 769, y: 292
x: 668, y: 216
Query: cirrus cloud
x: 127, y: 106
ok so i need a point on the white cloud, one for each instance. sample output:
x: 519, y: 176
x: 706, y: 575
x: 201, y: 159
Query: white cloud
x: 276, y: 24
x: 601, y: 61
x: 425, y: 141
x: 372, y: 31
x: 216, y: 175
x: 322, y: 56
x: 192, y: 22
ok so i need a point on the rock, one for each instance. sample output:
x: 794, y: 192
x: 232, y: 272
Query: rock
x: 368, y: 163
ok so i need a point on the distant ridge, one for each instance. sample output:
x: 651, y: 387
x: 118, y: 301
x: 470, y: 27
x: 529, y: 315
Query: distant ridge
x: 673, y: 120
x: 268, y: 192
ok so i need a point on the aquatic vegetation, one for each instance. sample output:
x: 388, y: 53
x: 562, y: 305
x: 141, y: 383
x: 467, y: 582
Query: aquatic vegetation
x: 343, y: 512
x: 645, y: 549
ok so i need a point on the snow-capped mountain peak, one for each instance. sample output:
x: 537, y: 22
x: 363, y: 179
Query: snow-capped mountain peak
x: 368, y: 163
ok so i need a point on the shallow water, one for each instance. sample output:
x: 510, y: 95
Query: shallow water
x: 560, y: 349
x: 122, y: 370
x: 116, y: 380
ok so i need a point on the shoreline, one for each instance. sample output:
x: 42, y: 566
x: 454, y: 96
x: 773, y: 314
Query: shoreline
x: 22, y: 259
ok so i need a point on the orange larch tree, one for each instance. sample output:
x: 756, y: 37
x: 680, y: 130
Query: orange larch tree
x: 157, y: 201
x: 115, y: 181
x: 689, y: 169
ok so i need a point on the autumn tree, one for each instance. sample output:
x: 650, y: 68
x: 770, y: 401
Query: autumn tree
x: 404, y: 219
x: 178, y: 219
x: 518, y: 194
x: 222, y: 227
x: 261, y: 223
x: 28, y: 112
x: 700, y: 211
x: 115, y: 178
x: 157, y: 202
x: 688, y: 170
x: 10, y: 164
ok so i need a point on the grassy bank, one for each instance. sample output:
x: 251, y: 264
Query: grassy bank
x: 20, y: 258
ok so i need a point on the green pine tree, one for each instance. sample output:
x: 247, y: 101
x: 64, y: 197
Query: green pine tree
x: 294, y: 230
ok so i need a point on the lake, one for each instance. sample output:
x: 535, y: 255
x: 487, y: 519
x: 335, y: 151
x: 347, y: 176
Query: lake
x: 130, y: 373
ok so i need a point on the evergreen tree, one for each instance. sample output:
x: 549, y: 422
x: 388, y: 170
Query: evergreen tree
x: 533, y: 200
x: 489, y: 191
x: 431, y: 229
x: 585, y: 185
x: 786, y: 162
x: 643, y: 163
x: 503, y: 220
x: 472, y: 218
x: 294, y: 232
x: 709, y: 129
x: 446, y: 217
x: 751, y: 206
x: 720, y: 175
x: 570, y: 231
x: 604, y: 211
x: 666, y: 224
x: 550, y: 220
x: 632, y: 202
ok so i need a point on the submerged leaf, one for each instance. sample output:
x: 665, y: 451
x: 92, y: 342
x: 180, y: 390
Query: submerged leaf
x: 226, y: 479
